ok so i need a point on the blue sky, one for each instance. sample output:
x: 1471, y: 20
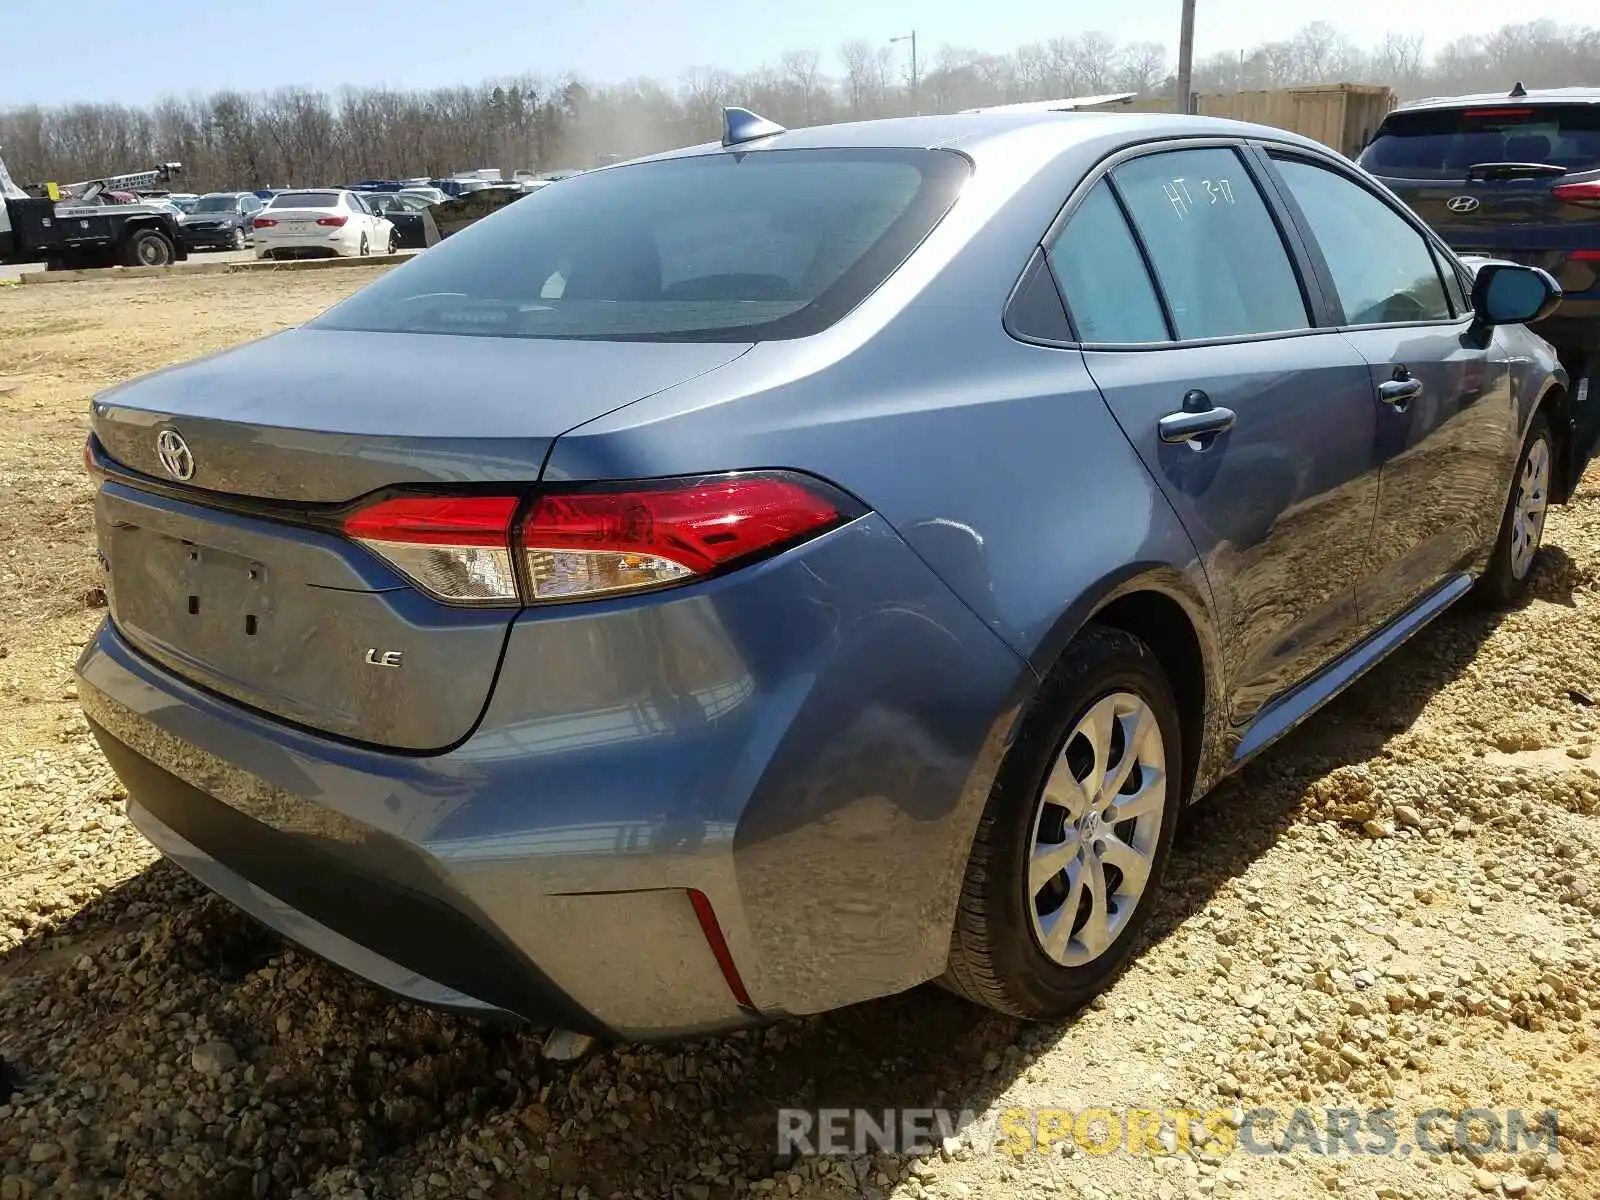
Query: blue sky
x: 52, y: 51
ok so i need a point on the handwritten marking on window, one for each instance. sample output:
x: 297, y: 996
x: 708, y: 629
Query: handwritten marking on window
x: 1215, y: 191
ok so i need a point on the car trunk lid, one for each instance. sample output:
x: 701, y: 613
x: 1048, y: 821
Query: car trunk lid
x: 239, y: 579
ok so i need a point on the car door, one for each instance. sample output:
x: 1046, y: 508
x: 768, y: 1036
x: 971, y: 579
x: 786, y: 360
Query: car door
x: 1258, y: 426
x: 1447, y: 419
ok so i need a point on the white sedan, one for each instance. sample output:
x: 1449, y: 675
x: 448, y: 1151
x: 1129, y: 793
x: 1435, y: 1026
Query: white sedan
x: 321, y: 223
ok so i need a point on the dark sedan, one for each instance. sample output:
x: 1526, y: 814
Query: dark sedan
x: 221, y: 221
x: 414, y: 227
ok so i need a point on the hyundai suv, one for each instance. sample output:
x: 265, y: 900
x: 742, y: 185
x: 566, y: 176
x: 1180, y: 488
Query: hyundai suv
x: 1514, y: 175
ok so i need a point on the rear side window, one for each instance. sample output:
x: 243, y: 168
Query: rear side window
x: 305, y: 200
x: 1383, y: 269
x: 1444, y: 143
x: 718, y: 247
x: 1216, y: 251
x: 1107, y: 288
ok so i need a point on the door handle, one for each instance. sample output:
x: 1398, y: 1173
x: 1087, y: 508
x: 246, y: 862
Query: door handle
x: 1399, y: 392
x: 1198, y: 423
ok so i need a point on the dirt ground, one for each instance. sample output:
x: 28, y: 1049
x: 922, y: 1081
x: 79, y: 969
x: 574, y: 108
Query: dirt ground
x: 1397, y: 908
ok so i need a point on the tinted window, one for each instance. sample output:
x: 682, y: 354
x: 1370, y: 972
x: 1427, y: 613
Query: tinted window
x: 216, y: 204
x: 770, y: 244
x: 1107, y: 288
x: 1035, y: 310
x: 1213, y: 244
x: 1382, y: 268
x: 1442, y: 144
x: 305, y: 200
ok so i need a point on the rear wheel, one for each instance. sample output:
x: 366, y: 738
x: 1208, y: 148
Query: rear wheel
x: 364, y: 249
x: 1071, y: 847
x: 147, y: 248
x: 394, y: 242
x: 1522, y: 527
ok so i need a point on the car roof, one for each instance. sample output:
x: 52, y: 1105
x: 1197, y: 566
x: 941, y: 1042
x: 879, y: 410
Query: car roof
x: 978, y: 134
x: 1532, y: 97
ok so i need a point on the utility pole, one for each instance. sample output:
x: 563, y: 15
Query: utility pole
x: 1186, y: 56
x: 912, y: 38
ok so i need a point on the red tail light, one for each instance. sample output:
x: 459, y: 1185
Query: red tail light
x: 263, y: 222
x: 333, y: 221
x: 1586, y: 194
x: 456, y: 548
x: 1489, y: 114
x: 596, y: 540
x: 590, y: 543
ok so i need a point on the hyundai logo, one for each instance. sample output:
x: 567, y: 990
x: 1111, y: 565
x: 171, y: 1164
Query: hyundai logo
x: 174, y: 454
x: 1462, y: 204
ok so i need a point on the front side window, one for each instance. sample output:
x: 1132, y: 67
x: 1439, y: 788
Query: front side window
x: 1213, y: 244
x: 718, y: 247
x: 1103, y: 278
x: 1383, y: 269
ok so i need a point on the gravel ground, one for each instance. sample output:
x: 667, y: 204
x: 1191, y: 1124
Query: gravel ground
x: 1396, y: 908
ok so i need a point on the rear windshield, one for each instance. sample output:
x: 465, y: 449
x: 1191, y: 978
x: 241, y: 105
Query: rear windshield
x: 719, y: 247
x: 305, y: 200
x: 1442, y: 144
x: 216, y: 204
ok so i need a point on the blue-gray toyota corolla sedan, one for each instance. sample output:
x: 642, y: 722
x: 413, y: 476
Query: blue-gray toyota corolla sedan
x: 780, y: 572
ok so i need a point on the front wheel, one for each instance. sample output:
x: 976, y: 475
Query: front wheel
x: 238, y: 239
x: 1522, y: 527
x: 364, y: 248
x: 1070, y: 850
x: 394, y: 242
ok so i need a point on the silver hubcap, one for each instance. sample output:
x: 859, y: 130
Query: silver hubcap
x: 1527, y: 514
x: 1095, y: 831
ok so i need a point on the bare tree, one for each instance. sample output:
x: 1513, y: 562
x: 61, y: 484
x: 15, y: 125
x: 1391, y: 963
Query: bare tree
x: 299, y: 136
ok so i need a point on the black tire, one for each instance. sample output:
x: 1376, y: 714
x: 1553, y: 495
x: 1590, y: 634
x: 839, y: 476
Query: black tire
x: 148, y: 248
x: 394, y: 242
x: 364, y: 249
x: 996, y: 958
x: 1506, y: 577
x: 239, y: 238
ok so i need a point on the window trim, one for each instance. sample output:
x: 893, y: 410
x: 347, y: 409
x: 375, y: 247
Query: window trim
x: 1311, y: 286
x: 1439, y: 254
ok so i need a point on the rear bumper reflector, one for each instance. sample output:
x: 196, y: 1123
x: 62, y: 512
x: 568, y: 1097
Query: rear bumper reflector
x: 719, y: 946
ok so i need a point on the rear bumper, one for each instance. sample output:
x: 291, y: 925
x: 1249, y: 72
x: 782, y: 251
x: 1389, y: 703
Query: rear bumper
x: 807, y: 744
x: 277, y: 250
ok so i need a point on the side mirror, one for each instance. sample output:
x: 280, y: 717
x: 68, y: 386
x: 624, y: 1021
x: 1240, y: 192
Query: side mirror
x: 1512, y: 294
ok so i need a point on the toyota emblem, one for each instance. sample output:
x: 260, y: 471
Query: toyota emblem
x: 1462, y: 204
x: 174, y: 454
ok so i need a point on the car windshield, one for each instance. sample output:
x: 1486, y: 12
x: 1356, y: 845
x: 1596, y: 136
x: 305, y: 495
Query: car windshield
x: 1444, y: 143
x: 215, y: 204
x: 717, y: 247
x: 305, y: 200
